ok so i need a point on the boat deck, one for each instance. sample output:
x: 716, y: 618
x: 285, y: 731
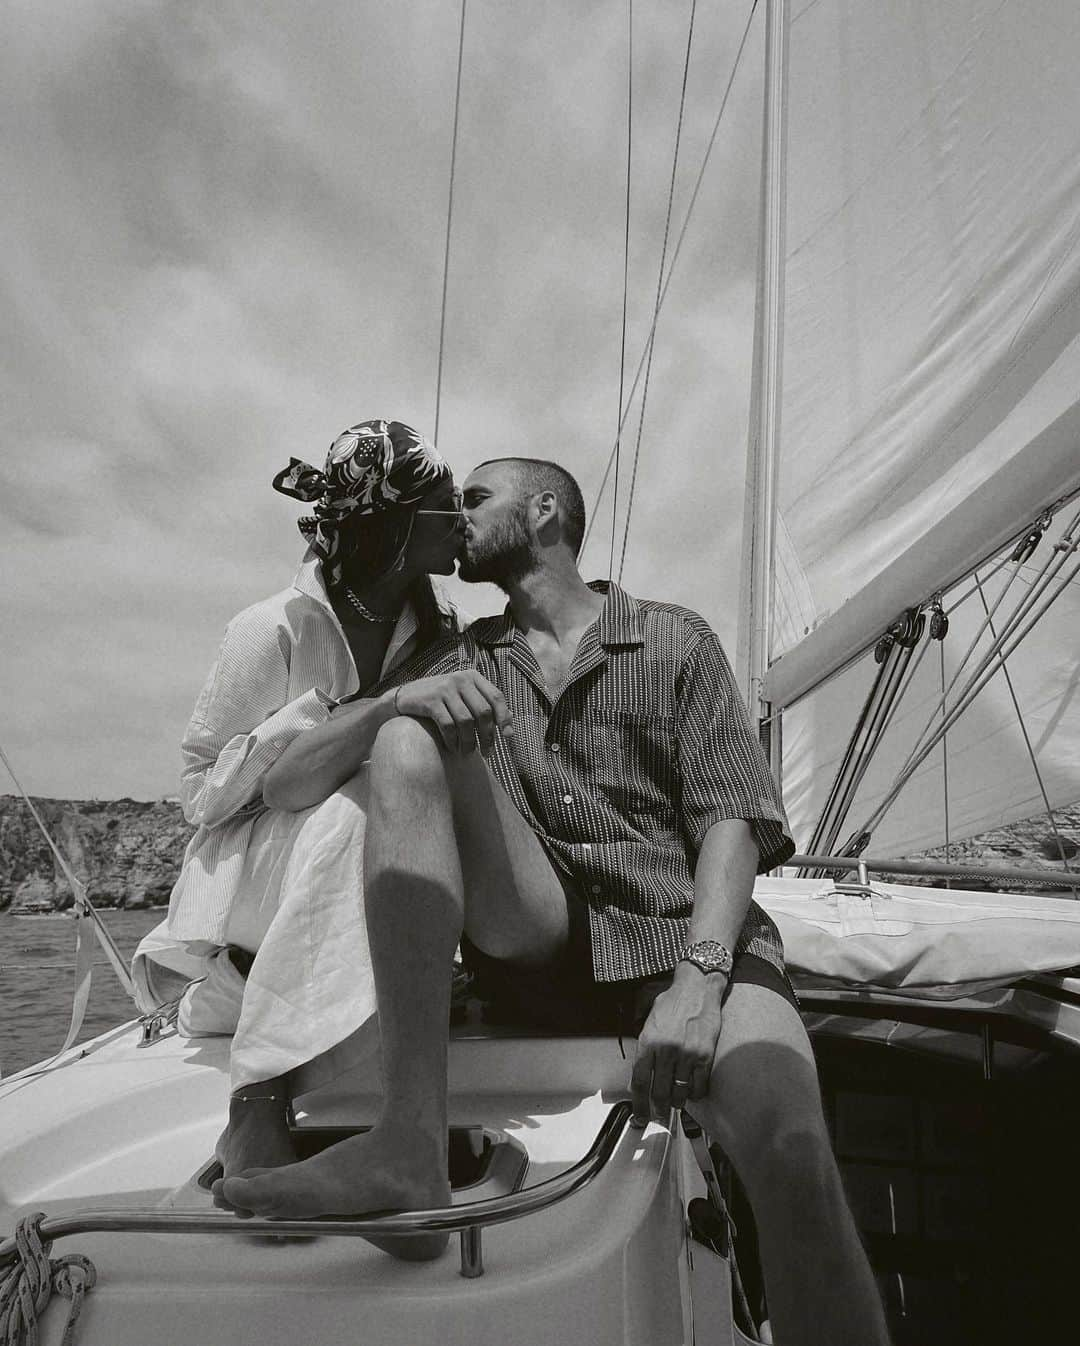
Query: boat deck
x: 128, y: 1126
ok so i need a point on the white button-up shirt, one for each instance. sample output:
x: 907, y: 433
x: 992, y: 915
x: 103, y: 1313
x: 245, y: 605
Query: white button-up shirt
x: 282, y: 668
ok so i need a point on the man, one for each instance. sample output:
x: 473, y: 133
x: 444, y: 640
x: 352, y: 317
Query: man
x: 598, y: 852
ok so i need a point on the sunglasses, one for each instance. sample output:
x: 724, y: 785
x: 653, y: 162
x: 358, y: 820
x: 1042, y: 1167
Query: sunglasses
x: 456, y: 512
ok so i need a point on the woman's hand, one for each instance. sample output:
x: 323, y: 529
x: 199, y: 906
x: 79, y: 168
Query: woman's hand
x: 464, y: 707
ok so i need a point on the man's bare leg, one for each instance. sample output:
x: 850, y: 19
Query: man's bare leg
x: 764, y: 1107
x: 429, y: 813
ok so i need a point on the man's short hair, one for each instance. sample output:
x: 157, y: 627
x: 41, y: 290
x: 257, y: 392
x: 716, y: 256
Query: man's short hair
x: 538, y: 474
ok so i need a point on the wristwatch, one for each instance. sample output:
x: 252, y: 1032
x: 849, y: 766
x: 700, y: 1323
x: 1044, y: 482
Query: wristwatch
x: 709, y: 955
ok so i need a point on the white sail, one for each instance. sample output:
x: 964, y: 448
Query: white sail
x: 931, y: 379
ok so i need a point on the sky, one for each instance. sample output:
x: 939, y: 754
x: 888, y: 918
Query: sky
x: 223, y: 242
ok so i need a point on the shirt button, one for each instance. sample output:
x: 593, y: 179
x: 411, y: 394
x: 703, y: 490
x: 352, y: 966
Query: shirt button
x: 596, y: 888
x: 555, y: 747
x: 568, y: 799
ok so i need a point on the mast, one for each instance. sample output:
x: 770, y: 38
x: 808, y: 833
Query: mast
x: 755, y: 607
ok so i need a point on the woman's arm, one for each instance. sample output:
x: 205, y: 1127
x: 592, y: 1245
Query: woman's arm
x: 243, y: 720
x: 464, y: 707
x: 321, y: 759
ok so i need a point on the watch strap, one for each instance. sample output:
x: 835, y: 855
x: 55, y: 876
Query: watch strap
x: 709, y: 955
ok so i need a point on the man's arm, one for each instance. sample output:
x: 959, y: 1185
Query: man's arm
x: 436, y: 684
x: 679, y: 1039
x: 733, y: 819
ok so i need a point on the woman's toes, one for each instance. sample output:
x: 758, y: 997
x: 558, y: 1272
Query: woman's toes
x: 248, y: 1194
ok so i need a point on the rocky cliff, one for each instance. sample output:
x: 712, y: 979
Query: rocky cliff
x: 126, y: 852
x: 1031, y: 844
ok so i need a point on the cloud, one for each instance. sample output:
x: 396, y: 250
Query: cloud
x: 226, y: 244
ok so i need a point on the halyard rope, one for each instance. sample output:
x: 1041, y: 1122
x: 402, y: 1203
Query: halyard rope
x: 671, y: 269
x: 619, y: 418
x: 27, y: 1285
x: 449, y: 220
x: 651, y: 344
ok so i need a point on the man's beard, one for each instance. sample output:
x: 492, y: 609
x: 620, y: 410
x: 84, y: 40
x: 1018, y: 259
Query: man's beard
x: 507, y: 555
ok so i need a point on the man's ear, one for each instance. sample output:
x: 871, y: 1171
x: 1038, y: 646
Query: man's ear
x: 547, y: 509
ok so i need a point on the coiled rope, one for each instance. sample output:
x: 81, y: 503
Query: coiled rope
x: 27, y: 1285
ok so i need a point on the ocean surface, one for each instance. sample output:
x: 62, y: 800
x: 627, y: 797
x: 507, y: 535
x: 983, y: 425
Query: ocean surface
x: 37, y: 982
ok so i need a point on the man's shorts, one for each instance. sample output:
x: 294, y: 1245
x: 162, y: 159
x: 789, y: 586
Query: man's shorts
x: 562, y: 996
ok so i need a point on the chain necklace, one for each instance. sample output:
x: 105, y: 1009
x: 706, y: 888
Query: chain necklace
x: 364, y: 612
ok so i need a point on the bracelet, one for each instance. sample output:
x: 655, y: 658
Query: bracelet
x: 397, y: 693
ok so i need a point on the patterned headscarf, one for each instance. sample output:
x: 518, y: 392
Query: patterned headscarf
x: 371, y: 468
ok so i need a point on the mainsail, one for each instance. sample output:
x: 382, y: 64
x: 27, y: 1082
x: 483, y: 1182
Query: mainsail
x: 930, y: 404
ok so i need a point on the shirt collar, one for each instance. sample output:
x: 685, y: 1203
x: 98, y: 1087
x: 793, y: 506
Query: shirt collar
x: 309, y: 580
x: 619, y: 622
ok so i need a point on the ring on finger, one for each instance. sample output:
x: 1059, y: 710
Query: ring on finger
x: 677, y: 1102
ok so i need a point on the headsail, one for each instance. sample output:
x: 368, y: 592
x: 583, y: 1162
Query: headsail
x: 931, y: 380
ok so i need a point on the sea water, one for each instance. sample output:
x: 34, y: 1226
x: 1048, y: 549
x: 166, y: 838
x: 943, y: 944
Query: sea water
x: 37, y: 981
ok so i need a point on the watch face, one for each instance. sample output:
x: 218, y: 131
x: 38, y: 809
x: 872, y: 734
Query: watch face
x: 710, y: 956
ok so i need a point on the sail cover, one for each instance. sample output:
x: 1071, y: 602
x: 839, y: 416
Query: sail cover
x: 908, y: 941
x: 931, y: 364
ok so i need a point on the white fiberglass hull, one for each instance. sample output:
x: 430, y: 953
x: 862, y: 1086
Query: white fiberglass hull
x: 127, y: 1126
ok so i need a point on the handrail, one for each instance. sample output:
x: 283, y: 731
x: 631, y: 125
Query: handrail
x: 468, y: 1219
x: 1052, y: 878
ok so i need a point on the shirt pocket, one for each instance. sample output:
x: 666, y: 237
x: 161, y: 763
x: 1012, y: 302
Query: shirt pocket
x: 635, y: 763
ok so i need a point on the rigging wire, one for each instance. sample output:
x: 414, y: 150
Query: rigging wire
x: 626, y: 272
x: 449, y: 221
x: 82, y: 903
x: 911, y: 667
x: 83, y: 966
x: 928, y: 728
x: 1027, y: 740
x: 968, y: 593
x: 1002, y: 648
x: 651, y: 344
x: 674, y: 261
x: 1049, y: 569
x: 945, y: 762
x: 875, y: 717
x: 1006, y: 558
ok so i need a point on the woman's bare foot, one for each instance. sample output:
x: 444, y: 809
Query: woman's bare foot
x: 382, y: 1170
x: 257, y: 1135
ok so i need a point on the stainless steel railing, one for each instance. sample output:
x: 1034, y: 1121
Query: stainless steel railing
x: 468, y: 1220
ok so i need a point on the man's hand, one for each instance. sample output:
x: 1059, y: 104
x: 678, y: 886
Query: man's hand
x: 465, y: 708
x: 676, y: 1047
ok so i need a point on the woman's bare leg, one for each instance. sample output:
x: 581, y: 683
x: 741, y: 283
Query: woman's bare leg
x: 257, y: 1135
x: 430, y: 815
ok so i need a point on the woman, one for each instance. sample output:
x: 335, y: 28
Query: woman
x: 267, y: 911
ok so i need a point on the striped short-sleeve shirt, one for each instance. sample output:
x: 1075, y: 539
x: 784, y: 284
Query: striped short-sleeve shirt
x: 644, y: 747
